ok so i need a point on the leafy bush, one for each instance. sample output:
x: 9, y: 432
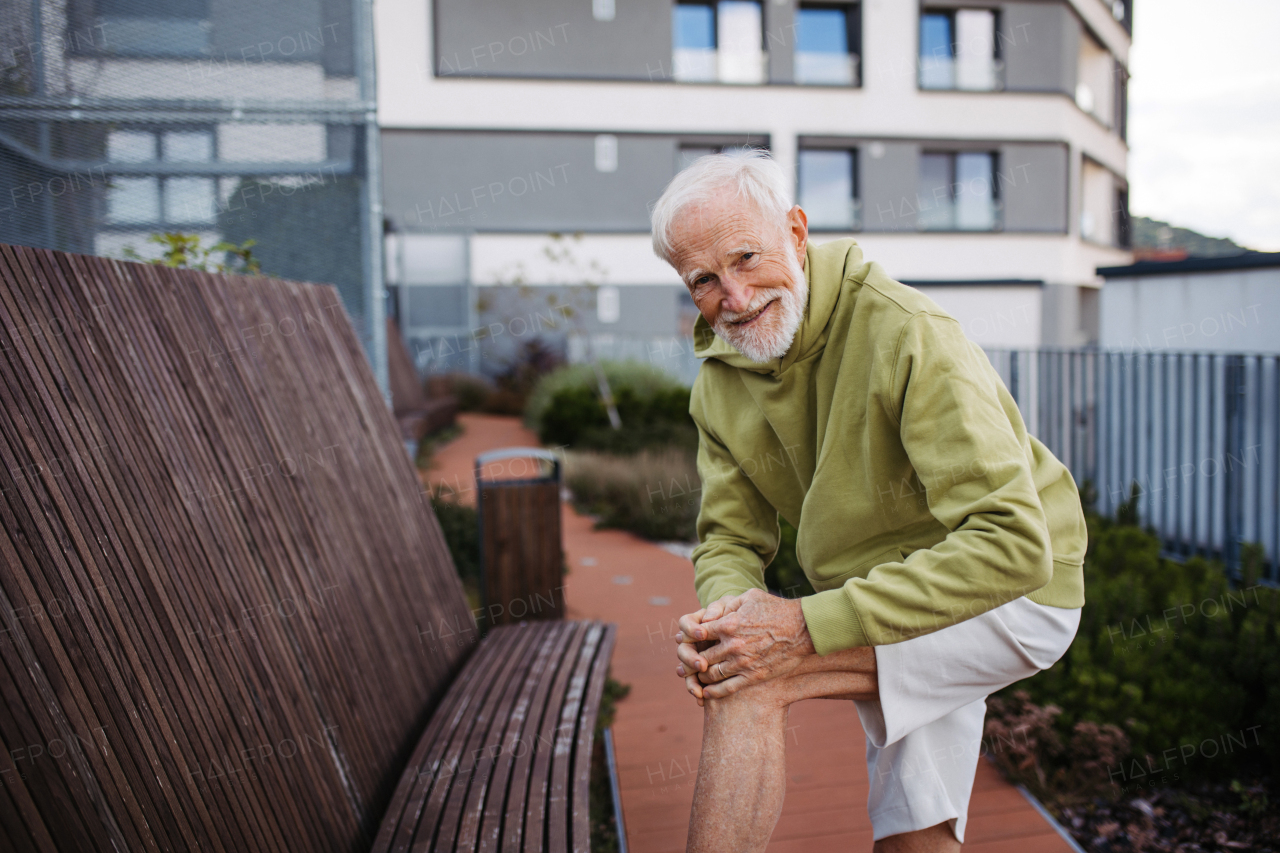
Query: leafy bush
x: 565, y: 408
x: 185, y: 251
x: 784, y: 574
x: 1183, y: 664
x: 460, y: 525
x: 577, y: 418
x: 472, y: 391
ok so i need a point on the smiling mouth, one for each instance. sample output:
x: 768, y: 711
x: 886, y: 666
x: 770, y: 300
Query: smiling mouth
x: 763, y: 308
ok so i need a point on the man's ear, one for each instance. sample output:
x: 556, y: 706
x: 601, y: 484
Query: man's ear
x: 798, y: 226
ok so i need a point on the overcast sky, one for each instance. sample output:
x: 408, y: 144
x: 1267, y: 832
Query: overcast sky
x: 1204, y: 117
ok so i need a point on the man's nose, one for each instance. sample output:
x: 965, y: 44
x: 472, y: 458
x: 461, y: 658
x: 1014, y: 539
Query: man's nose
x: 737, y: 293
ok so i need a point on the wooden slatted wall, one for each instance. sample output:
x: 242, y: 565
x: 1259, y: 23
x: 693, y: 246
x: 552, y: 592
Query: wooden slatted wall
x: 224, y: 601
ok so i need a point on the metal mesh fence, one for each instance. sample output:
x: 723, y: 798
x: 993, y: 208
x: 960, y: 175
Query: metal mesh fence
x: 232, y: 120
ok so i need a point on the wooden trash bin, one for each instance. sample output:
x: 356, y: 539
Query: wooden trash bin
x: 521, y: 550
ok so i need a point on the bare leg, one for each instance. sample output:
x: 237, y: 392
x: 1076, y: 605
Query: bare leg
x: 742, y: 769
x: 741, y: 772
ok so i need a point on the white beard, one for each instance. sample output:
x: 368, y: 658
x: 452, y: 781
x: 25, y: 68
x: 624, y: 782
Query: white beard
x: 770, y: 337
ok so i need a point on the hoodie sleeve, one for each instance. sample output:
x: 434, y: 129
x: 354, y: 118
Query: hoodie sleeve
x: 737, y: 528
x: 945, y: 398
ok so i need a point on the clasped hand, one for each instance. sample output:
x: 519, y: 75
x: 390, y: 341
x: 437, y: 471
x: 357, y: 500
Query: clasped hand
x: 740, y: 640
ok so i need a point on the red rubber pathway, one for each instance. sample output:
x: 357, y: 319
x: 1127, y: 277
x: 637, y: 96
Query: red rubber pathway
x: 658, y: 731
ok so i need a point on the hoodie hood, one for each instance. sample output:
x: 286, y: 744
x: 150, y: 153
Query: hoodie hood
x: 825, y: 270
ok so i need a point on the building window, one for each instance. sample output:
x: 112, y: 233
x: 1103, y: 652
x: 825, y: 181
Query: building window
x: 154, y: 27
x: 958, y: 191
x: 1104, y: 206
x: 718, y: 42
x: 828, y: 188
x: 1124, y: 236
x: 959, y: 50
x: 1122, y: 101
x: 177, y: 200
x: 827, y: 45
x: 1096, y: 80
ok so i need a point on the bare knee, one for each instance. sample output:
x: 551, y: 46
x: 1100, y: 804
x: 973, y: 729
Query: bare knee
x: 765, y: 699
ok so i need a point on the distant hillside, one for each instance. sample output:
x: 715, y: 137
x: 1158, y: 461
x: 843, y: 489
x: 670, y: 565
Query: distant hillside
x: 1152, y: 236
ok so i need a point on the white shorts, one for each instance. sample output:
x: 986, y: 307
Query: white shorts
x: 924, y: 733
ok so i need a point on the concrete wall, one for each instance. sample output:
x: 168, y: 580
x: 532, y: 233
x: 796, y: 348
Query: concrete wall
x: 520, y: 181
x: 1067, y: 314
x: 1227, y: 311
x: 1033, y: 187
x: 780, y: 39
x: 552, y: 38
x: 889, y: 183
x: 1039, y: 43
x: 272, y: 31
x: 998, y: 316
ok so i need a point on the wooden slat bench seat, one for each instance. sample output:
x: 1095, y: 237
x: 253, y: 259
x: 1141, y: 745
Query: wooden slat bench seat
x: 505, y: 762
x: 223, y: 591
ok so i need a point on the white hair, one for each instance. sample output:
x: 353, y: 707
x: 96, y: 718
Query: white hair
x: 751, y: 171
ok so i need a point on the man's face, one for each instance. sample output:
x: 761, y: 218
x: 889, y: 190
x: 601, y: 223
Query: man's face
x: 744, y: 272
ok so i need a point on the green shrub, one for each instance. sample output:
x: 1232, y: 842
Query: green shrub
x: 577, y: 418
x: 646, y: 397
x: 1174, y: 656
x: 472, y: 391
x: 461, y: 528
x: 784, y: 574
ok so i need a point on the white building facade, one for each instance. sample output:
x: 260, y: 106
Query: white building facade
x: 975, y: 149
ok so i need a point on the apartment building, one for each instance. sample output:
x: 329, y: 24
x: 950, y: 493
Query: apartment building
x: 232, y: 120
x: 975, y: 148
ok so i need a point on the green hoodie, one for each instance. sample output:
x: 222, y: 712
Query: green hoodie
x: 890, y: 443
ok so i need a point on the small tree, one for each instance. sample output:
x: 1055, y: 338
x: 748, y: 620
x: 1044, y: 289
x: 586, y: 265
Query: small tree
x: 583, y: 281
x: 184, y: 251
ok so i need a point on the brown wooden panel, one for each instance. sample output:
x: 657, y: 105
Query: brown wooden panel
x: 522, y: 550
x: 219, y: 578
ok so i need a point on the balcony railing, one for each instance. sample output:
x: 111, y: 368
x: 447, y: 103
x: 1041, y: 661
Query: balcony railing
x: 826, y: 69
x: 700, y: 65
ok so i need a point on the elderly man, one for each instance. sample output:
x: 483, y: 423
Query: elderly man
x: 945, y: 544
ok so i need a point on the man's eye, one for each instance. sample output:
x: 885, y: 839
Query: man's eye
x: 748, y: 256
x: 701, y: 281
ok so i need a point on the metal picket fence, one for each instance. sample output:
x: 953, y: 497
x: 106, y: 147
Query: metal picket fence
x: 1197, y: 432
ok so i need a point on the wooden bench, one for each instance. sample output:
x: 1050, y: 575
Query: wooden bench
x: 228, y: 619
x: 418, y: 413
